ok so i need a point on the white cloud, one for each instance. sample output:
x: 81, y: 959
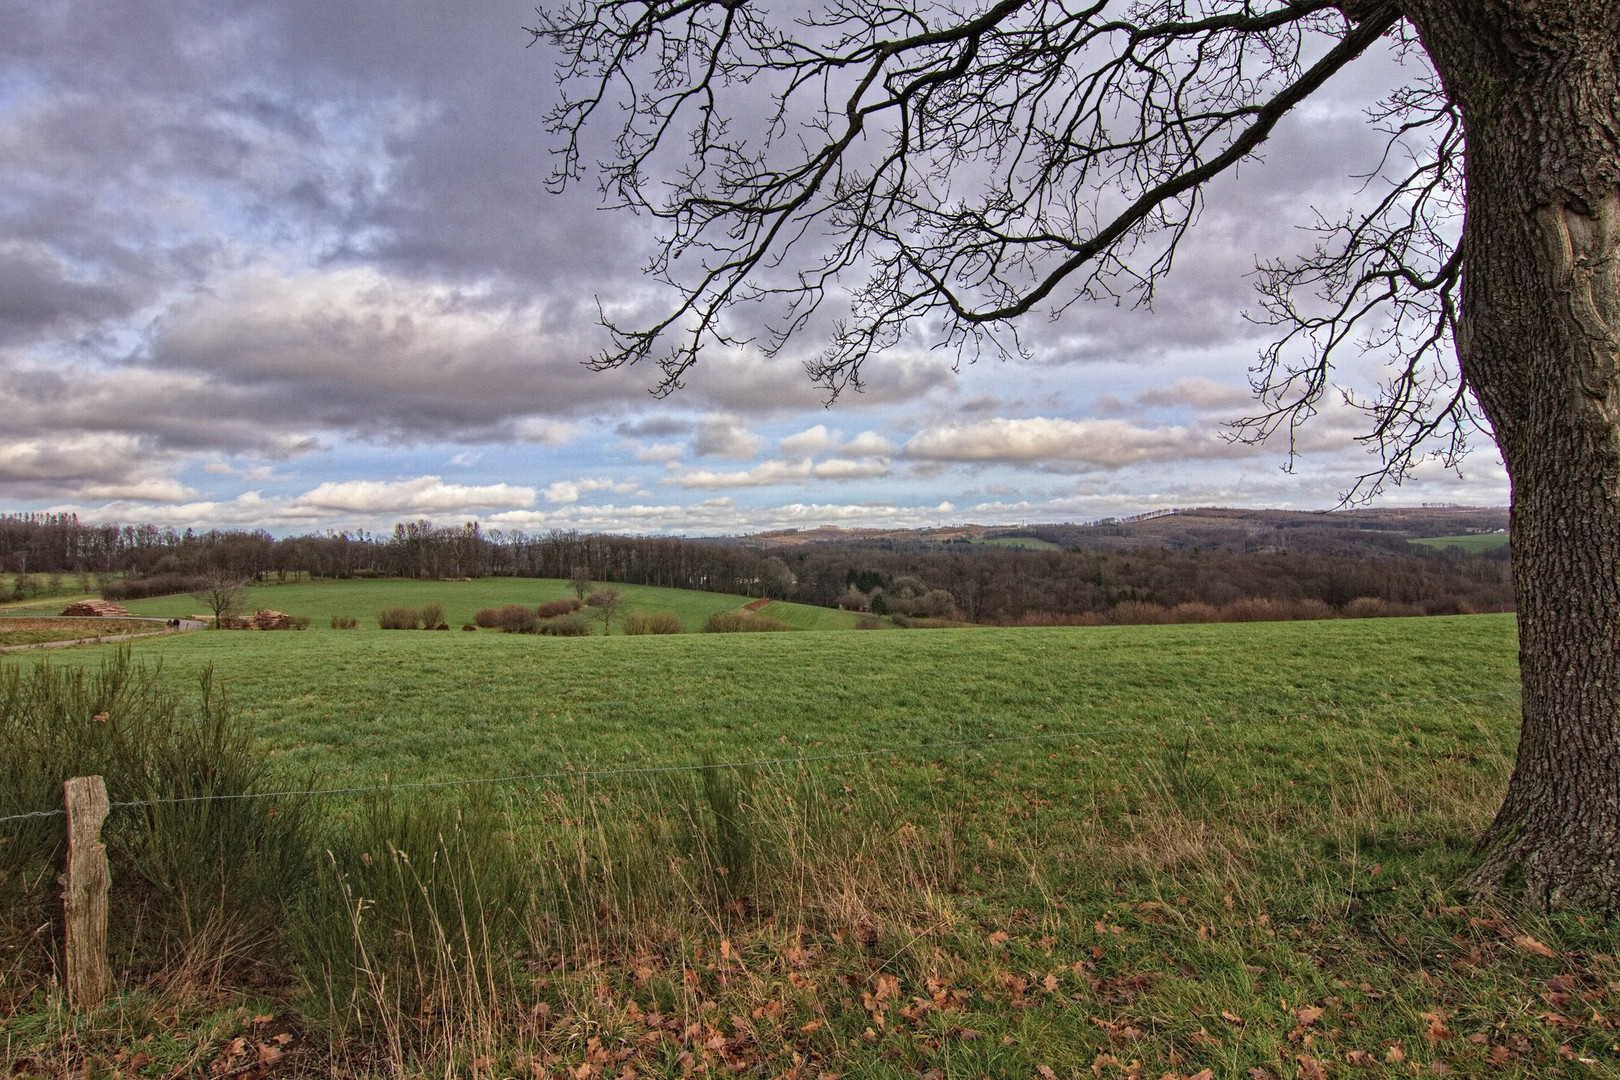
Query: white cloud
x: 767, y: 474
x: 420, y: 495
x: 868, y: 444
x: 1046, y: 441
x: 569, y: 491
x: 660, y: 452
x: 846, y: 469
x: 807, y: 443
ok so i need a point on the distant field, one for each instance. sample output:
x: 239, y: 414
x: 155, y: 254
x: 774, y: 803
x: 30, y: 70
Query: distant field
x: 363, y: 599
x: 1024, y: 543
x: 1468, y: 542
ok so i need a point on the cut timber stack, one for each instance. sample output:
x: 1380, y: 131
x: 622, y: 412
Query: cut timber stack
x: 98, y: 609
x: 272, y: 620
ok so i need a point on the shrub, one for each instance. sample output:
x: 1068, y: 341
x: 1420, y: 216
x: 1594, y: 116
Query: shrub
x: 653, y: 622
x: 1310, y: 607
x: 735, y: 622
x: 1195, y: 613
x: 1256, y: 609
x: 553, y: 608
x: 516, y: 619
x: 298, y: 622
x: 566, y: 626
x: 200, y: 863
x: 345, y: 622
x: 1367, y: 607
x: 1138, y: 613
x: 489, y: 618
x: 869, y: 623
x: 399, y: 618
x: 431, y: 614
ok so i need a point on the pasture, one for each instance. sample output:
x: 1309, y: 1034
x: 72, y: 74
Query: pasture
x: 1472, y: 543
x: 1186, y: 851
x: 363, y: 599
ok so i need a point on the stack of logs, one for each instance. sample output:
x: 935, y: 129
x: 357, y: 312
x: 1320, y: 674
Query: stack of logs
x: 99, y: 609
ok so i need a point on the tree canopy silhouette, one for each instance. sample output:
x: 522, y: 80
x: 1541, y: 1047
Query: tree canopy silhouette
x: 943, y: 169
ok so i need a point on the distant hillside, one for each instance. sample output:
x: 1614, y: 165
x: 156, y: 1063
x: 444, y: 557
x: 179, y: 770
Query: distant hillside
x: 1337, y: 532
x: 1184, y: 565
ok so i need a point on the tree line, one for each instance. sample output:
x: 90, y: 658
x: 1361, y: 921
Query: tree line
x: 978, y: 583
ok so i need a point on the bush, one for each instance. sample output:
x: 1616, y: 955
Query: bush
x: 553, y: 608
x: 298, y: 622
x: 1138, y: 613
x: 200, y: 865
x: 566, y: 626
x: 1256, y: 609
x: 737, y: 622
x: 431, y: 614
x: 345, y: 622
x: 653, y: 622
x: 516, y: 619
x: 489, y: 618
x: 1367, y: 607
x: 869, y: 623
x: 1195, y: 613
x: 399, y: 618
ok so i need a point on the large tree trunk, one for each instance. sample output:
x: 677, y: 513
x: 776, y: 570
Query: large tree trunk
x: 1539, y: 345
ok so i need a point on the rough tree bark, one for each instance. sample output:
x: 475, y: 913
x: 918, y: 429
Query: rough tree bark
x: 1539, y: 345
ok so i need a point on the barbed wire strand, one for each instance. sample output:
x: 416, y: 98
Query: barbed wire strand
x: 1118, y: 728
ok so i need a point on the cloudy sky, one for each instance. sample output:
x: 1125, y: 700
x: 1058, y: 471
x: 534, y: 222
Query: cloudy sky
x: 291, y: 264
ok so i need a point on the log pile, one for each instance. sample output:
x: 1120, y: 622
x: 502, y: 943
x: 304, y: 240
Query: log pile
x: 271, y: 620
x: 97, y: 609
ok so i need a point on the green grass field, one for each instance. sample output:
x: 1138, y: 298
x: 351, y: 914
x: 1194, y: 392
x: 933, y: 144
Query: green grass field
x: 1471, y: 542
x: 1022, y: 543
x: 1184, y: 851
x: 363, y: 599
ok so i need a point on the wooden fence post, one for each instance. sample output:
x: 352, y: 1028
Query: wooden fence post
x: 84, y: 893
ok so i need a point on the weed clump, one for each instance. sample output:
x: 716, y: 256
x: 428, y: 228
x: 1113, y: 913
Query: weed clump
x: 345, y: 622
x: 738, y: 622
x: 653, y: 622
x: 417, y: 909
x: 575, y: 625
x: 399, y: 618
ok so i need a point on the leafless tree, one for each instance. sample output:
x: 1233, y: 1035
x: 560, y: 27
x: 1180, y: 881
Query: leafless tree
x: 580, y: 581
x: 945, y: 169
x: 607, y: 605
x: 221, y: 592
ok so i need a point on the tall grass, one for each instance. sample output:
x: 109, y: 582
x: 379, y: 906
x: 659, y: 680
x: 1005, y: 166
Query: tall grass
x: 200, y: 864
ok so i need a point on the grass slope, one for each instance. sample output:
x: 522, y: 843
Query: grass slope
x: 363, y: 599
x: 1470, y: 542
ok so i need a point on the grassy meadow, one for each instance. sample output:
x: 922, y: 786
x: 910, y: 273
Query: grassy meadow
x: 363, y: 600
x: 1472, y: 543
x: 1158, y: 851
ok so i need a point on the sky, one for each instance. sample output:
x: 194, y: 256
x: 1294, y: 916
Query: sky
x: 292, y: 265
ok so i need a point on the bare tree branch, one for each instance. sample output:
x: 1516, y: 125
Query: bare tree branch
x: 968, y: 166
